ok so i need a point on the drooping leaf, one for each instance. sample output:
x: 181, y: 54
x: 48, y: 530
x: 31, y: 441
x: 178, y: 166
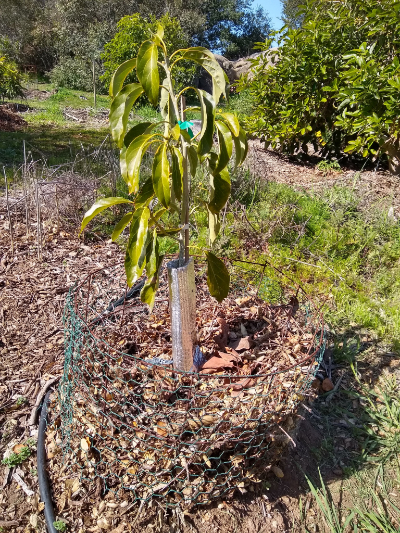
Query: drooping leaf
x: 177, y: 172
x: 218, y: 277
x: 136, y: 249
x: 133, y: 157
x: 147, y: 70
x: 207, y: 60
x: 232, y: 122
x: 193, y: 160
x: 220, y: 186
x: 120, y: 108
x: 225, y: 145
x: 208, y: 122
x: 119, y: 76
x: 146, y: 194
x: 153, y: 265
x: 139, y: 129
x: 121, y: 225
x: 161, y: 175
x: 214, y: 225
x: 241, y: 147
x: 99, y: 206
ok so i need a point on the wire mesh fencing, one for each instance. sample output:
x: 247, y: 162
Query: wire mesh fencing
x: 128, y: 419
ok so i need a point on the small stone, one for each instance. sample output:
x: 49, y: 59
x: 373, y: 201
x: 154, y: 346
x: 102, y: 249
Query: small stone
x: 327, y: 385
x: 103, y: 523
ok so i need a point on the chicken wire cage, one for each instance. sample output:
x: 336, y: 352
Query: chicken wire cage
x: 127, y: 419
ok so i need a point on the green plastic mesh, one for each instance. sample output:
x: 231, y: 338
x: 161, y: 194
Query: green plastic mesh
x: 182, y: 438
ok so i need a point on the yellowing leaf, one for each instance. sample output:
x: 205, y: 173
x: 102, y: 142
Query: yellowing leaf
x: 120, y: 108
x: 207, y: 60
x: 99, y: 206
x: 147, y: 70
x: 121, y: 225
x: 161, y: 176
x: 136, y: 249
x: 177, y: 172
x: 120, y: 74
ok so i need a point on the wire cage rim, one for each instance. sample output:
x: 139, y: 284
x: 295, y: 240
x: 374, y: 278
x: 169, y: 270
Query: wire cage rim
x: 232, y: 376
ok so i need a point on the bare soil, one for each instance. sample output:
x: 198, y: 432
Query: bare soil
x: 10, y: 120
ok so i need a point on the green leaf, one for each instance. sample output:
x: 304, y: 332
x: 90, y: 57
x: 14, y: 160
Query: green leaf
x: 136, y: 250
x: 214, y: 225
x: 207, y: 60
x: 225, y: 145
x: 120, y: 108
x: 233, y: 123
x: 121, y: 225
x: 139, y: 129
x: 177, y: 172
x: 133, y: 158
x: 208, y: 121
x: 99, y: 206
x: 147, y: 70
x: 145, y: 195
x: 220, y: 185
x: 161, y: 175
x: 193, y: 160
x: 119, y: 76
x: 153, y: 266
x: 241, y: 147
x: 218, y: 277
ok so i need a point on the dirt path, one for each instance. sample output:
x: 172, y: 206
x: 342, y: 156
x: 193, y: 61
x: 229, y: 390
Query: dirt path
x: 379, y: 189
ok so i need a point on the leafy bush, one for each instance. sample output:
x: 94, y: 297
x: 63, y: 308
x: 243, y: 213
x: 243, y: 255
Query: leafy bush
x: 135, y: 29
x: 74, y: 73
x: 336, y: 82
x: 10, y: 79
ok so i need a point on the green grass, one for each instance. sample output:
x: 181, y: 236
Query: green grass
x: 340, y: 253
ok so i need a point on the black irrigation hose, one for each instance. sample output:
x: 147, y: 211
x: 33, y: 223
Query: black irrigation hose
x: 44, y: 487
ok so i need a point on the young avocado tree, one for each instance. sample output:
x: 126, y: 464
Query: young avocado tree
x: 177, y: 154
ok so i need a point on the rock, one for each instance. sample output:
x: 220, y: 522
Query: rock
x: 327, y: 385
x: 235, y: 69
x: 278, y: 472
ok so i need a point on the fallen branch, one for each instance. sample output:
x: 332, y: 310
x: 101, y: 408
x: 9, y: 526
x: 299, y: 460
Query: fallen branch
x: 40, y: 397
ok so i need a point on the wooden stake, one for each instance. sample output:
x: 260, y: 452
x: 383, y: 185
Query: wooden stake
x: 94, y: 84
x: 8, y: 212
x: 38, y: 233
x: 185, y: 189
x: 58, y: 212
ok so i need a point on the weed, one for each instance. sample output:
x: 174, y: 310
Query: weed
x: 329, y: 509
x: 60, y: 525
x: 21, y: 400
x: 17, y: 458
x: 380, y: 430
x: 328, y: 167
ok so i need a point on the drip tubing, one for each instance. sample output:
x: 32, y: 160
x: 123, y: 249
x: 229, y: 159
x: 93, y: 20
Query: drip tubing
x: 44, y: 487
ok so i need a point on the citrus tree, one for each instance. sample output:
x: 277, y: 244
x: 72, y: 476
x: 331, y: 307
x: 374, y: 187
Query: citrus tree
x: 336, y: 81
x: 10, y: 79
x: 176, y: 153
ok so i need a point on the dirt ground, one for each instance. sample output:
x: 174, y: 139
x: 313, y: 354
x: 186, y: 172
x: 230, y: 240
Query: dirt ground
x: 31, y: 347
x: 10, y: 120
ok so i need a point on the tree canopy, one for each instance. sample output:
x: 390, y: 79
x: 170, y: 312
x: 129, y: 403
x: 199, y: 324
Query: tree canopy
x: 72, y: 33
x: 335, y: 83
